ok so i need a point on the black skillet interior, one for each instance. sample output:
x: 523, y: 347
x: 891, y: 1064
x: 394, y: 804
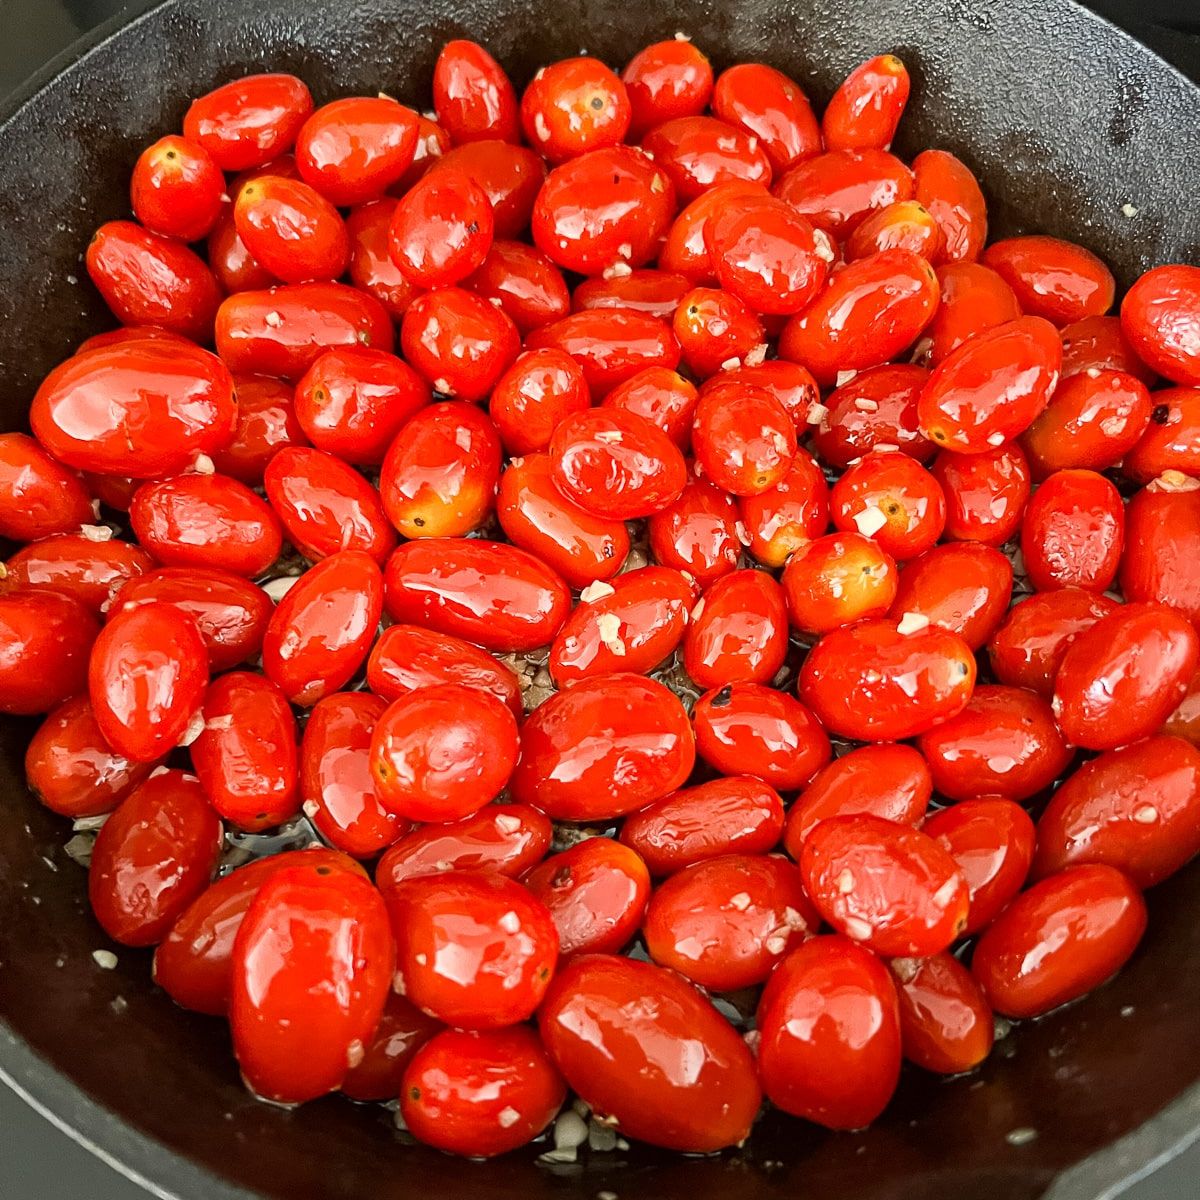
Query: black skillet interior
x: 1066, y: 121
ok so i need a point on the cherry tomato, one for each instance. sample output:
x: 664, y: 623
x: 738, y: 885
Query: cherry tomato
x: 539, y: 391
x: 442, y: 229
x: 147, y: 279
x: 890, y: 497
x: 829, y: 1024
x: 738, y: 631
x: 870, y: 682
x: 1162, y: 546
x: 945, y: 1023
x: 866, y: 108
x: 1100, y: 342
x: 115, y: 491
x: 524, y: 283
x: 974, y: 300
x: 836, y: 580
x: 75, y: 565
x: 371, y: 267
x: 1054, y: 279
x: 152, y: 858
x: 685, y: 249
x: 408, y: 659
x: 1170, y: 438
x: 266, y: 423
x: 250, y: 121
x: 878, y: 407
x: 596, y: 892
x: 144, y: 408
x: 838, y: 190
x: 905, y: 225
x: 1184, y: 722
x: 655, y: 293
x: 402, y: 1030
x: 892, y: 782
x: 787, y: 517
x: 698, y: 534
x: 1073, y: 531
x: 663, y: 397
x: 985, y: 493
x: 734, y: 815
x: 947, y: 188
x: 472, y: 95
x: 573, y: 106
x: 743, y: 439
x: 176, y: 189
x: 1056, y: 942
x: 771, y: 107
x: 715, y: 329
x: 480, y: 1093
x: 146, y: 678
x: 645, y: 1050
x: 206, y: 521
x: 291, y: 229
x: 1160, y: 316
x: 699, y: 152
x: 38, y: 496
x: 666, y: 80
x: 788, y: 382
x: 325, y: 505
x: 474, y: 950
x: 510, y: 176
x: 321, y: 630
x: 312, y: 962
x: 498, y: 596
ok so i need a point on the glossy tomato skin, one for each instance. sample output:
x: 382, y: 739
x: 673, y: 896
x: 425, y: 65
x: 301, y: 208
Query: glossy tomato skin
x: 291, y: 229
x: 656, y: 293
x: 790, y: 383
x: 785, y: 518
x: 152, y: 858
x: 176, y: 189
x: 725, y: 923
x: 534, y: 396
x: 1100, y: 342
x: 663, y: 397
x: 573, y: 106
x: 743, y: 439
x: 442, y: 753
x: 442, y: 228
x: 233, y: 266
x: 407, y: 658
x: 602, y: 748
x: 46, y: 643
x: 905, y: 225
x: 325, y: 505
x: 866, y: 109
x: 312, y: 962
x: 72, y: 770
x: 696, y: 1089
x: 838, y: 190
x: 700, y: 152
x: 870, y: 682
x: 992, y: 841
x: 480, y: 1093
x: 1171, y: 438
x: 738, y: 633
x: 283, y: 330
x: 771, y: 107
x: 474, y: 950
x: 147, y: 279
x: 666, y: 80
x: 888, y: 781
x: 495, y: 595
x: 1136, y: 809
x: 836, y: 580
x: 886, y: 885
x: 1052, y: 278
x: 472, y: 95
x: 146, y: 679
x: 250, y: 121
x: 142, y: 408
x: 596, y: 891
x: 1162, y: 541
x: 734, y: 815
x: 830, y: 1034
x: 371, y: 268
x: 336, y: 787
x: 685, y: 249
x: 974, y: 300
x: 509, y: 175
x: 193, y: 964
x: 507, y: 839
x: 38, y: 496
x: 1073, y: 532
x: 1056, y: 942
x: 206, y: 521
x: 892, y: 486
x: 879, y: 405
x: 440, y: 474
x: 402, y: 1030
x: 962, y: 586
x: 245, y: 756
x: 986, y: 494
x: 266, y: 423
x: 1160, y: 316
x: 1122, y: 678
x: 321, y: 630
x: 945, y: 1023
x: 1184, y: 722
x: 76, y: 566
x: 698, y: 533
x: 523, y: 282
x: 946, y: 187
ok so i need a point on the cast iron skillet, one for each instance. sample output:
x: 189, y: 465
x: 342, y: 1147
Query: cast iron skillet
x: 1066, y: 120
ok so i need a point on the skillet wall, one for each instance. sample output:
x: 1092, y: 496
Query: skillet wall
x: 1065, y: 121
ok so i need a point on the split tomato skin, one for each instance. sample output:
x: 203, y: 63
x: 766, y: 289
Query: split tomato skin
x: 38, y: 496
x: 250, y: 121
x: 986, y: 493
x: 945, y: 1024
x: 1056, y: 942
x: 152, y: 858
x: 1052, y: 278
x: 830, y: 1040
x: 1073, y: 532
x: 402, y: 1030
x: 72, y: 564
x: 695, y: 1090
x: 312, y: 963
x: 47, y: 642
x: 738, y: 633
x: 472, y: 95
x: 1160, y: 316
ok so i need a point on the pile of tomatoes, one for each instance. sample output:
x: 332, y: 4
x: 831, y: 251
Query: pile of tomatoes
x: 615, y: 622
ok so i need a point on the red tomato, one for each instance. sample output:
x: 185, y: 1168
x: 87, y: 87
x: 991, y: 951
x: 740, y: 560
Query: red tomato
x: 736, y: 815
x: 596, y: 892
x: 573, y: 106
x: 472, y: 94
x: 644, y: 1049
x: 1162, y: 546
x: 726, y: 922
x: 698, y: 534
x: 836, y: 580
x: 291, y: 229
x: 407, y: 658
x: 890, y: 497
x: 524, y: 283
x: 1073, y: 531
x: 371, y: 267
x: 147, y: 279
x: 878, y: 407
x: 77, y: 566
x: 715, y: 330
x: 402, y: 1030
x: 945, y: 1023
x: 1100, y: 342
x: 443, y: 752
x: 685, y: 249
x: 534, y: 396
x: 335, y: 779
x: 495, y: 595
x: 603, y: 748
x: 325, y: 505
x: 870, y: 682
x: 660, y: 395
x: 353, y: 401
x: 1056, y: 942
x: 38, y: 496
x: 974, y: 300
x: 146, y: 678
x: 442, y: 229
x: 232, y: 265
x: 788, y: 382
x: 738, y: 633
x: 250, y: 121
x: 176, y: 189
x: 743, y: 439
x: 510, y: 176
x: 1123, y: 676
x: 474, y: 950
x: 666, y: 80
x: 829, y: 1025
x: 321, y: 630
x: 1170, y: 438
x: 312, y: 962
x: 771, y: 107
x: 985, y: 493
x: 206, y: 521
x: 992, y: 387
x: 480, y: 1094
x: 1054, y: 279
x: 655, y: 293
x: 892, y: 782
x: 905, y: 225
x: 783, y: 519
x: 143, y: 408
x: 947, y: 188
x: 699, y: 152
x: 866, y: 109
x: 245, y: 756
x: 992, y: 841
x: 838, y: 190
x: 266, y: 423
